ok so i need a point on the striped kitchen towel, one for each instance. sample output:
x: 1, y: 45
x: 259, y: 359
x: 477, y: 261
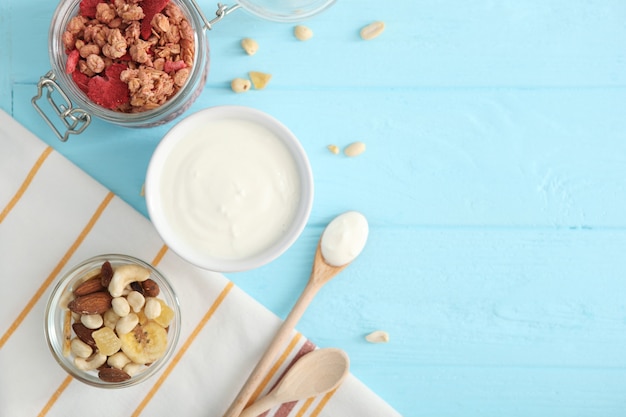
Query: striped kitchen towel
x: 53, y: 216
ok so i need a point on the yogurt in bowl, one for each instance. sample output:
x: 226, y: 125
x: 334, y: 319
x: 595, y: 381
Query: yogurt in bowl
x: 229, y: 188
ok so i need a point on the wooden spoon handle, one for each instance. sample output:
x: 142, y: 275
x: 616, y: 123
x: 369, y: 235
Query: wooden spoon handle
x: 259, y: 406
x: 272, y: 350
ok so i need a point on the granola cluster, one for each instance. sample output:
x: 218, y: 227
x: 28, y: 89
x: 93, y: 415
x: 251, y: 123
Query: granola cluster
x: 129, y: 55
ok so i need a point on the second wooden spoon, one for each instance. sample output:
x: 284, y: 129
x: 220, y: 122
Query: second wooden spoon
x: 314, y: 374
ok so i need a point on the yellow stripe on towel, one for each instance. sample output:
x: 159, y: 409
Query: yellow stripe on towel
x: 29, y: 178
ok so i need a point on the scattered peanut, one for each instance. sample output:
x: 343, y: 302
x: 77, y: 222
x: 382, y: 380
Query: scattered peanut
x: 302, y: 33
x: 240, y: 85
x: 333, y: 148
x: 354, y: 149
x: 259, y: 79
x: 250, y: 46
x: 373, y: 30
x: 378, y: 336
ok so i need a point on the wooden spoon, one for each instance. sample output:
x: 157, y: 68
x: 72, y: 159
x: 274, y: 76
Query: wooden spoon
x: 320, y: 275
x: 314, y: 374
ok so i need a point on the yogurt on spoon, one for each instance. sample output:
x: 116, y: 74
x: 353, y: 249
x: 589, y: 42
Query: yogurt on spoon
x: 344, y: 238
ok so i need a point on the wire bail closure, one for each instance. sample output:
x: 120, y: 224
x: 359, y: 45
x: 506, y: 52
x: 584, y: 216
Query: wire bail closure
x: 74, y: 119
x: 220, y: 13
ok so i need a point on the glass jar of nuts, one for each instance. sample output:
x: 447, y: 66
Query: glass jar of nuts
x: 112, y: 321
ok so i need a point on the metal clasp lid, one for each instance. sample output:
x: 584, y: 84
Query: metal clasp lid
x: 222, y: 10
x: 75, y: 120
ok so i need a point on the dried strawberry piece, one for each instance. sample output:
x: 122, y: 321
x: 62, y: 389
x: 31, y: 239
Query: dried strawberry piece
x: 150, y: 8
x: 88, y: 8
x: 109, y: 91
x: 72, y: 61
x: 126, y: 57
x: 114, y: 71
x: 81, y: 80
x: 170, y: 66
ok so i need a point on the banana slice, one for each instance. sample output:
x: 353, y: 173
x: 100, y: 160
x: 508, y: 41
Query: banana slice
x: 146, y: 343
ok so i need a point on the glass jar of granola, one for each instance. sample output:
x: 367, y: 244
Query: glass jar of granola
x: 127, y: 65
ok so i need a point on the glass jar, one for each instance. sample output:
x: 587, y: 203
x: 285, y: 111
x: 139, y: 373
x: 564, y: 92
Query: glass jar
x: 57, y: 319
x: 285, y: 10
x: 75, y: 109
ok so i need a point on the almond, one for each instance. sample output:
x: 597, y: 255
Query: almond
x: 91, y: 285
x: 94, y: 303
x: 84, y: 334
x: 106, y: 274
x: 113, y: 375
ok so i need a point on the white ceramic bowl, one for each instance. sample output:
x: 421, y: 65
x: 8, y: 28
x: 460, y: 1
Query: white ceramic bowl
x: 160, y: 203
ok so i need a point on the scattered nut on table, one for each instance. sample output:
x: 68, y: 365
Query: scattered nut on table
x: 333, y: 148
x: 378, y: 336
x: 302, y: 33
x: 354, y: 149
x: 373, y: 30
x: 240, y: 85
x: 249, y: 45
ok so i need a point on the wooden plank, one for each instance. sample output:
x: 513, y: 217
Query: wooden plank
x: 441, y: 44
x: 514, y: 158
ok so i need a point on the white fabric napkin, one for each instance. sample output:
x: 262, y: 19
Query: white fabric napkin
x: 53, y: 216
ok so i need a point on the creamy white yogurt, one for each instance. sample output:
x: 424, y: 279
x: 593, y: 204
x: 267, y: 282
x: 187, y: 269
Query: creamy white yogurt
x: 344, y: 238
x: 230, y: 188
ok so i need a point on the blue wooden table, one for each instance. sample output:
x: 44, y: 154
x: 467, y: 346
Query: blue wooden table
x: 494, y: 181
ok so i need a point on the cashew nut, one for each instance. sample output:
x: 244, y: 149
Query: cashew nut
x: 93, y: 362
x: 92, y: 321
x: 136, y: 300
x: 302, y: 33
x: 126, y: 324
x: 152, y: 309
x: 120, y: 306
x: 249, y: 45
x: 80, y: 348
x: 354, y: 149
x: 124, y: 275
x: 240, y: 85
